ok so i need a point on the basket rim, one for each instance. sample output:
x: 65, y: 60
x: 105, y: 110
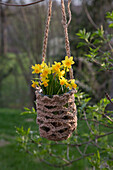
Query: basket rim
x: 51, y: 96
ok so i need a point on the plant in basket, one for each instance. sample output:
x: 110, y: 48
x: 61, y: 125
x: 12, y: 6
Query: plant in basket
x: 52, y: 79
x: 55, y: 99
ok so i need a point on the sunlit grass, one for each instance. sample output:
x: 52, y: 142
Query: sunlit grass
x: 13, y: 159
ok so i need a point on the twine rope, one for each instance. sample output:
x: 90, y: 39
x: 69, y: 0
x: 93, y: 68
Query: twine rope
x: 47, y: 31
x: 69, y: 12
x: 65, y: 26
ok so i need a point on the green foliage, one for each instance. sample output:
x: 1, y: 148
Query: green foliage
x: 10, y: 60
x: 12, y: 83
x: 29, y: 111
x: 95, y: 133
x: 95, y: 162
x: 82, y: 101
x: 110, y: 15
x: 23, y: 136
x: 10, y: 157
x: 96, y: 43
x: 93, y: 138
x: 84, y: 35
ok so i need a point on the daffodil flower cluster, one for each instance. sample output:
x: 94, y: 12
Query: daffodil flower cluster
x: 52, y: 79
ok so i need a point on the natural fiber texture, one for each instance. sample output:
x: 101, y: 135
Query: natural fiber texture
x: 65, y: 26
x: 47, y: 31
x: 69, y: 12
x: 56, y: 117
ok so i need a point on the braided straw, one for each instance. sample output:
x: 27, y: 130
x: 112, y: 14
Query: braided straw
x: 65, y: 25
x: 69, y: 12
x: 57, y: 116
x: 47, y: 31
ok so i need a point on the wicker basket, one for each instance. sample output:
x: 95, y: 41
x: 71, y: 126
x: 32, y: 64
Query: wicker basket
x: 56, y: 116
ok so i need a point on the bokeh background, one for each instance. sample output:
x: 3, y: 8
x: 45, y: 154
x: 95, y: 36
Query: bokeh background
x: 21, y: 38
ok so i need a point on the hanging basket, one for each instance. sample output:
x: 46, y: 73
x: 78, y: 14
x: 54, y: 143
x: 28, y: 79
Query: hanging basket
x: 57, y: 116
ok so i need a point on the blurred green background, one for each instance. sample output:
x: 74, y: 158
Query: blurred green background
x: 21, y: 40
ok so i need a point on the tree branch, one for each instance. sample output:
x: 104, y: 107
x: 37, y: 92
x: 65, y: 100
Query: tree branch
x: 22, y: 5
x: 98, y: 122
x: 89, y: 16
x: 67, y: 164
x: 108, y: 97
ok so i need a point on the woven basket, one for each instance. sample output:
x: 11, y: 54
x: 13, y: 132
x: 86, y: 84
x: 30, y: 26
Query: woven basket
x: 56, y: 116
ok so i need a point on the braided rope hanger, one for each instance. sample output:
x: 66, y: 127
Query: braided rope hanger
x: 47, y: 31
x: 65, y: 26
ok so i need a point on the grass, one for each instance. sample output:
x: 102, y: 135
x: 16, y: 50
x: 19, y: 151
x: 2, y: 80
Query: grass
x: 10, y: 157
x: 13, y: 159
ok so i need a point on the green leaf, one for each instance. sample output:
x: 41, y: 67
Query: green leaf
x: 83, y: 35
x: 98, y: 156
x: 80, y: 44
x: 109, y: 15
x: 27, y: 109
x: 111, y: 25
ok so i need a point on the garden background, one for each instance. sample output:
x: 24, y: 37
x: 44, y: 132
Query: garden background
x: 21, y: 38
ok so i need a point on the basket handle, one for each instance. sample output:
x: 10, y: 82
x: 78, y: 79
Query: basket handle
x: 65, y: 26
x: 45, y: 41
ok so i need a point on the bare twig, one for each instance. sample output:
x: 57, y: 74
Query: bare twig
x: 108, y: 97
x: 92, y: 120
x: 68, y: 153
x: 79, y: 144
x: 59, y: 157
x: 89, y: 16
x: 88, y: 123
x: 111, y: 48
x: 21, y: 5
x: 106, y: 134
x: 64, y: 144
x: 69, y: 163
x: 85, y: 149
x: 108, y: 117
x: 95, y: 144
x: 79, y: 151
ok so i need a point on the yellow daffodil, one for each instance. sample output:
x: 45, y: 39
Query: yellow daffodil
x: 43, y: 79
x: 37, y: 69
x: 43, y: 64
x: 46, y: 71
x: 34, y: 84
x: 63, y: 81
x: 52, y: 77
x: 58, y: 65
x: 38, y: 65
x: 61, y: 73
x: 45, y: 82
x: 68, y: 62
x: 69, y: 86
x: 73, y: 83
x: 74, y: 86
x: 55, y: 69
